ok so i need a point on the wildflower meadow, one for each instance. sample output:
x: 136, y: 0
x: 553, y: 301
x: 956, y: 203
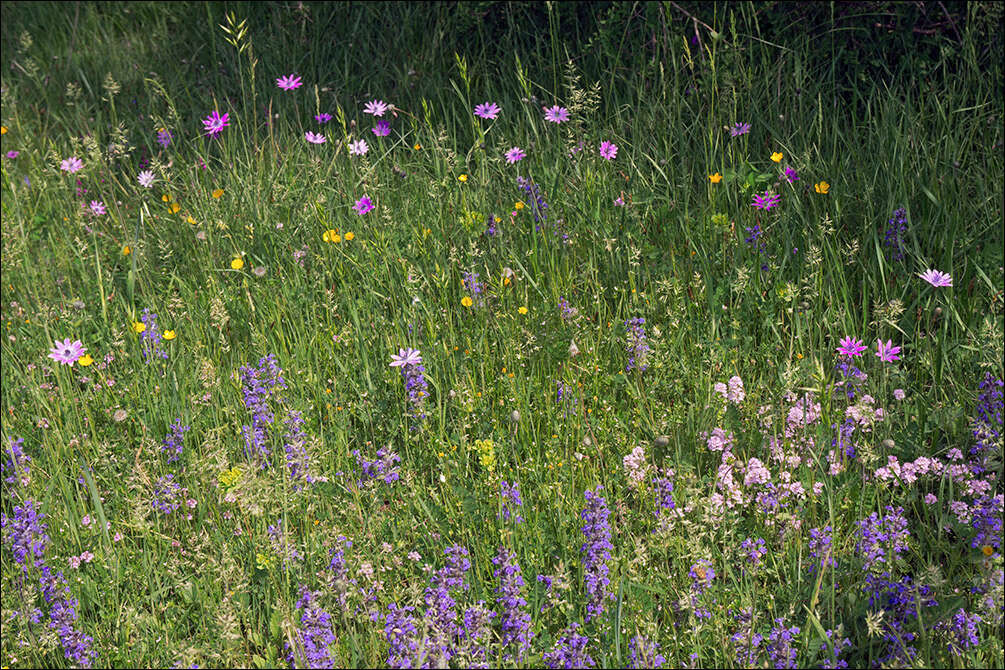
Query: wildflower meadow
x: 493, y: 334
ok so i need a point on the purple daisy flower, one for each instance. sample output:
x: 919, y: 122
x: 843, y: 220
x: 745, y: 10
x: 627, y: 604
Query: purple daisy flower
x: 323, y: 117
x: 487, y: 110
x: 936, y: 278
x: 406, y: 357
x: 739, y: 129
x: 215, y: 123
x: 289, y: 82
x: 71, y: 164
x: 382, y: 129
x: 515, y: 154
x: 363, y: 205
x: 608, y: 150
x: 97, y: 207
x: 145, y: 178
x: 851, y: 346
x: 556, y: 114
x: 314, y: 138
x: 887, y: 352
x: 358, y: 148
x: 67, y: 352
x: 767, y: 201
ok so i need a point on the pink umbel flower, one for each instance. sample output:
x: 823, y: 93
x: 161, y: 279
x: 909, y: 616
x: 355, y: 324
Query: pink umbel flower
x: 363, y: 205
x: 289, y: 82
x: 358, y: 148
x: 67, y: 352
x: 556, y: 114
x: 71, y: 164
x: 608, y: 150
x: 214, y: 123
x: 851, y: 347
x: 515, y: 154
x: 406, y: 357
x: 97, y: 207
x: 936, y: 278
x: 376, y: 107
x: 887, y: 352
x: 767, y: 201
x: 314, y: 138
x: 487, y: 110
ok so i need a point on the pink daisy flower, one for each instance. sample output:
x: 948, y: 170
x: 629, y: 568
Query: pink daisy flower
x: 314, y: 138
x: 67, y: 352
x: 363, y: 205
x: 97, y: 207
x: 358, y: 148
x: 71, y: 164
x: 851, y: 347
x: 382, y: 129
x: 608, y: 150
x: 406, y: 357
x: 767, y: 201
x: 289, y: 82
x: 515, y: 154
x: 887, y: 352
x: 556, y: 114
x: 487, y: 110
x: 214, y: 123
x: 376, y: 107
x: 323, y: 117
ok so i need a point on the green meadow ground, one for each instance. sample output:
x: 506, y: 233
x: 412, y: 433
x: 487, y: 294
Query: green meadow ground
x: 248, y: 243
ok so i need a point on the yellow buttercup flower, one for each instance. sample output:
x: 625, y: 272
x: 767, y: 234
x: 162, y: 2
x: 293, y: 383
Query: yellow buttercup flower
x: 237, y: 263
x: 987, y: 549
x: 170, y: 335
x: 715, y: 178
x: 3, y: 130
x: 466, y: 301
x: 175, y: 207
x: 85, y: 360
x: 139, y: 326
x: 126, y: 250
x: 777, y: 156
x: 217, y: 192
x: 417, y: 146
x: 522, y: 310
x: 518, y: 205
x: 349, y: 236
x: 331, y: 236
x: 462, y: 178
x: 189, y: 219
x: 822, y: 187
x: 166, y: 198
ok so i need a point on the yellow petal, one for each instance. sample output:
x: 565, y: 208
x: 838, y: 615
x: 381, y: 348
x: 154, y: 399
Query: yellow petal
x: 349, y: 236
x: 466, y: 301
x: 170, y: 335
x: 85, y: 360
x: 139, y: 326
x: 217, y: 193
x: 236, y: 264
x: 777, y: 156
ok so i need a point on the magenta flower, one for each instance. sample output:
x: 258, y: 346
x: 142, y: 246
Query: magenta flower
x: 358, y: 148
x: 376, y: 107
x: 323, y: 117
x: 487, y: 110
x: 67, y: 352
x: 887, y: 352
x: 739, y: 129
x: 97, y: 207
x: 766, y: 201
x: 406, y: 357
x: 314, y: 138
x: 851, y: 347
x: 215, y: 123
x: 515, y: 154
x: 289, y: 82
x: 13, y: 154
x: 382, y: 129
x: 145, y: 178
x: 936, y: 278
x: 608, y: 150
x: 363, y: 205
x: 790, y: 175
x: 556, y: 114
x: 71, y: 164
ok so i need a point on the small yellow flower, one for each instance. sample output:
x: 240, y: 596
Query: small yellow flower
x: 506, y: 281
x: 3, y: 130
x: 799, y: 356
x: 331, y: 236
x: 217, y: 192
x: 175, y: 207
x: 822, y: 187
x: 462, y: 178
x: 987, y: 550
x: 715, y: 178
x: 777, y: 157
x: 85, y: 360
x: 139, y: 326
x: 166, y: 198
x: 466, y: 301
x: 189, y: 219
x: 522, y: 310
x: 126, y: 250
x: 237, y: 263
x: 417, y: 146
x: 170, y: 334
x: 518, y: 205
x: 349, y: 236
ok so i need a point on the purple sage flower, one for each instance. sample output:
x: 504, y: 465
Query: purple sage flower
x: 173, y: 441
x: 596, y: 552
